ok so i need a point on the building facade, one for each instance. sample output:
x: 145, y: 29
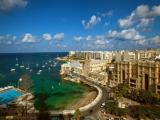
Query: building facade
x: 138, y: 74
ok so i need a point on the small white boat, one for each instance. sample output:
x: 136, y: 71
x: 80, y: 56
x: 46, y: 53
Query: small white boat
x: 27, y: 68
x: 30, y: 70
x: 43, y: 66
x: 12, y: 70
x: 16, y: 64
x: 22, y: 66
x: 20, y: 79
x: 38, y: 73
x: 37, y: 65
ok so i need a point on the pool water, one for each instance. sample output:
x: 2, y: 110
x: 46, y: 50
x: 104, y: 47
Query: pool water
x: 9, y: 95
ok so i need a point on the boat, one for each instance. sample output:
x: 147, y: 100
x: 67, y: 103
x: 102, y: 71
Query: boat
x: 27, y: 68
x: 55, y: 64
x: 12, y: 70
x: 43, y: 66
x: 37, y: 65
x: 30, y: 70
x: 38, y: 73
x: 17, y: 62
x: 22, y: 66
x: 20, y: 79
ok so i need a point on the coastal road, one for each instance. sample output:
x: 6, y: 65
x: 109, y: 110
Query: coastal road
x: 104, y: 94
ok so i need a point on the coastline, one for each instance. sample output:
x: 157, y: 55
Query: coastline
x: 86, y: 98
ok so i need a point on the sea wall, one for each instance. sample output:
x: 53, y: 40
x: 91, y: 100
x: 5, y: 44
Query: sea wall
x: 84, y: 108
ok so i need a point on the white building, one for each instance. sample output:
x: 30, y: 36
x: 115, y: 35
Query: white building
x: 72, y: 66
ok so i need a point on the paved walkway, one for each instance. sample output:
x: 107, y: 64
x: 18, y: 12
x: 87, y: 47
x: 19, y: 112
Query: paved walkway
x: 90, y: 107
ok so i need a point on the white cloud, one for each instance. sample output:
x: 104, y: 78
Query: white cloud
x: 125, y: 23
x: 100, y: 42
x: 47, y: 36
x: 94, y: 20
x: 127, y: 34
x: 145, y: 22
x: 89, y: 37
x: 142, y: 14
x: 78, y: 38
x: 28, y: 38
x: 58, y: 36
x: 7, y: 5
x: 142, y: 11
x: 60, y: 46
x: 156, y: 10
x: 155, y: 40
x: 7, y: 39
x: 108, y: 13
x: 92, y: 42
x: 106, y: 24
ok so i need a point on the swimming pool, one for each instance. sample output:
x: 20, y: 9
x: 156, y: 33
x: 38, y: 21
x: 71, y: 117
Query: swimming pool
x: 9, y: 95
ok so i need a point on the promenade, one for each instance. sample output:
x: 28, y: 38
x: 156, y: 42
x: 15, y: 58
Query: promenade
x: 95, y: 104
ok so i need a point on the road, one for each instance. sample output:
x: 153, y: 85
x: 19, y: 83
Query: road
x: 104, y: 94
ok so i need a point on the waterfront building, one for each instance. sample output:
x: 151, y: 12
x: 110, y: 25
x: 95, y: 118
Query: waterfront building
x: 138, y: 74
x: 92, y: 65
x: 71, y: 53
x: 94, y: 54
x: 72, y: 66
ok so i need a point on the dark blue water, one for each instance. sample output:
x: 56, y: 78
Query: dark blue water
x: 8, y: 62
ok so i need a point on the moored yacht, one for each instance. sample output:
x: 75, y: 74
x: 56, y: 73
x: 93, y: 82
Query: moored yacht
x: 12, y: 70
x: 17, y: 62
x: 37, y: 65
x: 22, y: 66
x: 27, y: 68
x: 43, y: 66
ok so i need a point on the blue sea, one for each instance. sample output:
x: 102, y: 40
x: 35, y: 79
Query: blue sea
x: 41, y: 70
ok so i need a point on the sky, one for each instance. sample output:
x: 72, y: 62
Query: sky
x: 64, y: 25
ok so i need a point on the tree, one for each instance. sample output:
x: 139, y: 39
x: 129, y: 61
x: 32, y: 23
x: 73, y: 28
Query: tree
x: 77, y: 114
x: 147, y: 97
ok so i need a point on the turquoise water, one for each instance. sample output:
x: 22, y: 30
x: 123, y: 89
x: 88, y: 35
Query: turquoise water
x: 42, y: 72
x: 9, y: 95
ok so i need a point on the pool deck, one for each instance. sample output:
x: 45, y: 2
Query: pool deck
x: 4, y: 90
x: 10, y: 87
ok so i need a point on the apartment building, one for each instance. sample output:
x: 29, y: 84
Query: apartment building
x: 138, y: 74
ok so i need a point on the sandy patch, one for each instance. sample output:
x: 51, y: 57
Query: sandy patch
x: 87, y: 98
